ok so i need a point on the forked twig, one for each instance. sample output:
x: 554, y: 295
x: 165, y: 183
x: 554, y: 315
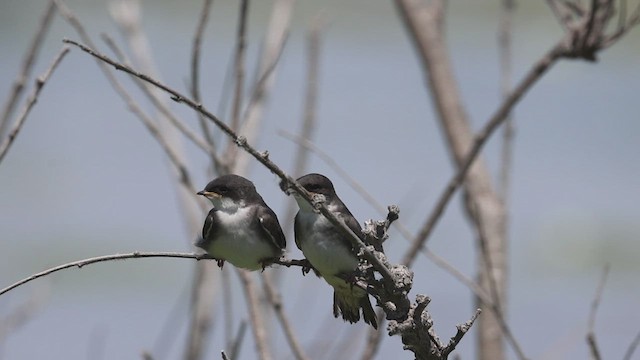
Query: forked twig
x: 26, y: 67
x: 31, y: 101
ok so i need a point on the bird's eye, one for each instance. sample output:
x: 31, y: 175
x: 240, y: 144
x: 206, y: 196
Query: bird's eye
x: 223, y: 189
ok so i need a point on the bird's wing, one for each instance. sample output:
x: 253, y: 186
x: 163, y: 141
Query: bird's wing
x: 271, y: 226
x: 352, y: 224
x: 208, y: 230
x: 297, y: 231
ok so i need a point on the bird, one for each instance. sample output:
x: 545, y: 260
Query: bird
x: 330, y: 253
x: 241, y: 228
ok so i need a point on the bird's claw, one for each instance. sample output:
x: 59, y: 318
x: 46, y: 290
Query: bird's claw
x: 307, y: 267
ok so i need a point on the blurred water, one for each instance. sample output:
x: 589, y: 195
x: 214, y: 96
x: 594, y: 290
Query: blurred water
x: 85, y: 179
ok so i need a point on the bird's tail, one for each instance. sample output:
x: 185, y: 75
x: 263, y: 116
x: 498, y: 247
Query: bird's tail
x: 348, y: 302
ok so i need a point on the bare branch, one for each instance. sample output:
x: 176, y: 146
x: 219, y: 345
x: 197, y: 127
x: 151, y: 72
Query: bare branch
x: 632, y: 347
x: 374, y: 338
x: 534, y: 74
x: 23, y: 312
x: 301, y: 156
x: 164, y: 110
x: 462, y: 330
x: 272, y: 49
x: 504, y: 43
x: 257, y: 321
x: 591, y: 335
x: 195, y: 68
x: 276, y: 303
x: 586, y: 29
x: 31, y: 101
x: 202, y: 300
x: 239, y: 69
x: 98, y: 259
x: 311, y: 96
x: 227, y: 303
x: 234, y: 353
x: 26, y: 67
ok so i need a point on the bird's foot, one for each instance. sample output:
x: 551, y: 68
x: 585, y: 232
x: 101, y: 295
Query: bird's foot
x: 220, y: 263
x: 307, y: 267
x: 350, y: 278
x: 264, y: 263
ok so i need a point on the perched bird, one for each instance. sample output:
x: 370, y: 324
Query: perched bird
x: 241, y: 228
x: 329, y: 252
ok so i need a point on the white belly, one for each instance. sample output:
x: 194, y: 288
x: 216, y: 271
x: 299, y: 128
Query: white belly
x: 328, y: 254
x: 239, y: 245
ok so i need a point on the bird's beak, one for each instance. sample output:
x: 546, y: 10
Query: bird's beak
x: 208, y: 194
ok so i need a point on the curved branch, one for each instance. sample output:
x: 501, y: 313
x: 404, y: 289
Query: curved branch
x: 133, y: 255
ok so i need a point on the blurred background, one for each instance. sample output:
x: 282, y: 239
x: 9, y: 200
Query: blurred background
x: 84, y: 178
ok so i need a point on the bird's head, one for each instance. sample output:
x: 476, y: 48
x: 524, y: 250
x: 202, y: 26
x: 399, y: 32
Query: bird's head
x: 315, y: 184
x: 229, y: 192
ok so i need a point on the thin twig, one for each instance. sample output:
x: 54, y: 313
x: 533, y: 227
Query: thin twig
x: 164, y: 110
x: 239, y: 59
x: 201, y: 313
x: 127, y: 15
x: 227, y: 303
x: 23, y: 312
x: 374, y: 338
x: 276, y: 302
x: 166, y: 334
x: 534, y: 74
x: 496, y: 305
x: 26, y: 67
x: 272, y: 48
x: 195, y: 68
x: 632, y: 347
x: 133, y: 255
x: 31, y: 101
x: 462, y: 330
x: 257, y: 321
x: 562, y: 14
x: 505, y: 45
x: 591, y: 335
x: 311, y: 95
x: 472, y: 285
x: 182, y: 172
x: 633, y: 20
x: 301, y: 156
x: 236, y: 343
x: 307, y: 144
x: 103, y: 258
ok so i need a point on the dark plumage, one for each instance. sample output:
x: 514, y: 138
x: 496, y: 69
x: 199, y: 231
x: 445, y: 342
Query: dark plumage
x: 329, y: 252
x: 241, y: 228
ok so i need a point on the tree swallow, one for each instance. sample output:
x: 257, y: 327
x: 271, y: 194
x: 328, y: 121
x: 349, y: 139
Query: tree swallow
x: 329, y: 252
x: 241, y: 228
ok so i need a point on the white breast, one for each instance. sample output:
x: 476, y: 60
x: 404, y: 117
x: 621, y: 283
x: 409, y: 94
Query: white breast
x: 236, y: 242
x: 328, y: 254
